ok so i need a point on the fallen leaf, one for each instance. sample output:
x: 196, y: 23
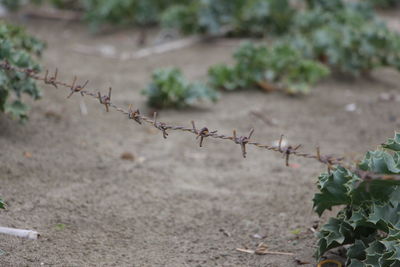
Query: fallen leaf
x: 267, y: 87
x: 127, y: 156
x: 294, y: 165
x: 27, y: 155
x: 300, y: 262
x: 296, y: 231
x: 51, y: 114
x: 261, y: 249
x: 225, y: 232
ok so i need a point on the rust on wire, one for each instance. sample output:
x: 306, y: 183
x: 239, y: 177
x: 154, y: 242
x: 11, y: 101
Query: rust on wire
x: 134, y: 115
x: 52, y: 80
x: 74, y: 88
x: 287, y: 151
x: 104, y: 100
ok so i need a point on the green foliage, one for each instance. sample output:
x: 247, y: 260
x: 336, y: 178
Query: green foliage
x: 2, y: 204
x: 126, y: 12
x: 262, y: 66
x: 238, y: 17
x: 116, y: 12
x: 346, y: 36
x: 385, y: 3
x: 18, y: 49
x: 11, y: 4
x: 169, y: 88
x: 370, y: 220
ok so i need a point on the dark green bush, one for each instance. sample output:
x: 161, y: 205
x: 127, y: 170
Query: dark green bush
x: 169, y: 88
x: 19, y: 50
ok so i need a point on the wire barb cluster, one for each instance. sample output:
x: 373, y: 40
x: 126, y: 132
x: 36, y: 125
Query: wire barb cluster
x: 134, y: 114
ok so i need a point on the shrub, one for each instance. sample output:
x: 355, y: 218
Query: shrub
x: 116, y: 12
x: 126, y: 12
x: 237, y: 17
x: 268, y: 67
x: 347, y: 37
x: 19, y: 50
x: 369, y: 222
x: 14, y: 5
x: 385, y: 3
x: 169, y: 88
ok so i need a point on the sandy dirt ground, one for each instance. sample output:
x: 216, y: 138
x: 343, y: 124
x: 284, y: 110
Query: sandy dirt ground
x: 176, y: 204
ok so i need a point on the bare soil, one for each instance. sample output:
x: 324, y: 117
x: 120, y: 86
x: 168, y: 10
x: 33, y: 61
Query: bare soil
x: 175, y: 204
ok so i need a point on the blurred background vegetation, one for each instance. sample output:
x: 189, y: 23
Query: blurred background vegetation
x: 299, y: 42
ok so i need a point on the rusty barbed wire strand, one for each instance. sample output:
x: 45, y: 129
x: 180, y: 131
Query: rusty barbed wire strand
x: 287, y: 151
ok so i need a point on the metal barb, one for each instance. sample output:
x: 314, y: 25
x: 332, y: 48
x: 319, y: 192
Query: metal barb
x: 78, y: 88
x: 105, y: 100
x: 288, y: 151
x: 52, y: 80
x: 160, y: 126
x: 134, y: 115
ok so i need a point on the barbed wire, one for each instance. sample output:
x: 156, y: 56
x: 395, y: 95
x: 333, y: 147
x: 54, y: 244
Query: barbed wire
x: 201, y: 133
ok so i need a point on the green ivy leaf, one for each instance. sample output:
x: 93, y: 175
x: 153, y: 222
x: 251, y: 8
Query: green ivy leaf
x: 393, y: 143
x: 333, y: 234
x: 17, y: 109
x: 380, y: 162
x: 336, y: 189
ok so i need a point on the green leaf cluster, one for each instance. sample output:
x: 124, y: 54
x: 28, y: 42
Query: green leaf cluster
x: 260, y: 65
x: 347, y: 36
x: 19, y: 50
x: 237, y: 17
x: 369, y: 221
x: 169, y: 88
x: 385, y: 3
x: 126, y: 12
x: 2, y: 204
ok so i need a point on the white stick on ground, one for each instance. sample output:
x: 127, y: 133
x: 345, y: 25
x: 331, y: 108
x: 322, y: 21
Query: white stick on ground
x: 163, y: 48
x: 109, y: 52
x: 30, y: 234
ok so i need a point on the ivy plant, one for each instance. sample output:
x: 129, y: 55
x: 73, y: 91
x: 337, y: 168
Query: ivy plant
x: 169, y: 88
x: 268, y: 67
x: 19, y: 50
x: 369, y: 220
